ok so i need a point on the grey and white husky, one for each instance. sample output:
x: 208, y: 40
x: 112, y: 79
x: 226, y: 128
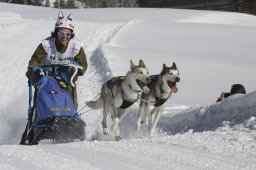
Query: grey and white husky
x: 119, y: 93
x: 161, y: 88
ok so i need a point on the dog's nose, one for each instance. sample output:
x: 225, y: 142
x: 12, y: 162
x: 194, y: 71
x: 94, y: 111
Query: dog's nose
x: 148, y: 79
x: 177, y: 79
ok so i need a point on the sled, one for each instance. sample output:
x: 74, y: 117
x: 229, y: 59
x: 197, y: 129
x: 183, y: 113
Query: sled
x: 53, y: 114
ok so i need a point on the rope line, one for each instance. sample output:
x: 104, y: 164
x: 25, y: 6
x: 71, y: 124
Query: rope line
x: 85, y: 106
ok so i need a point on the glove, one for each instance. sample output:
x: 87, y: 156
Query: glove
x: 36, y: 75
x: 28, y: 75
x: 65, y: 74
x: 80, y: 68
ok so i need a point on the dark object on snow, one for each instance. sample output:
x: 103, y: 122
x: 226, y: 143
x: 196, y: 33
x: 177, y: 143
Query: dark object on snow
x: 53, y: 114
x: 235, y: 88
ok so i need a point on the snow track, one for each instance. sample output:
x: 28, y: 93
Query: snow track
x: 44, y: 159
x: 102, y: 36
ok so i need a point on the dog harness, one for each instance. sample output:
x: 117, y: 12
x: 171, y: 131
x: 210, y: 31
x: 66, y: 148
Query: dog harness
x: 110, y: 84
x: 159, y: 101
x: 126, y: 103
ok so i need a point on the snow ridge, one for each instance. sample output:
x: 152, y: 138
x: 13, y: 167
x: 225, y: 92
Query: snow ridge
x: 98, y: 58
x: 234, y: 110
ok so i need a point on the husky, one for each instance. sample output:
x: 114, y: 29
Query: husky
x: 161, y: 88
x: 119, y: 93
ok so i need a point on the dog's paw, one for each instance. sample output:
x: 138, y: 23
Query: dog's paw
x: 105, y: 131
x: 118, y: 138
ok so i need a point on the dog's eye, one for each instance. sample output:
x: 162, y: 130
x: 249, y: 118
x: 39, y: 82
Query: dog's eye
x: 171, y: 73
x: 141, y: 72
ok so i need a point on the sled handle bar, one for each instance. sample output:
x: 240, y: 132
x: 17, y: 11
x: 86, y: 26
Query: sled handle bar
x: 76, y: 67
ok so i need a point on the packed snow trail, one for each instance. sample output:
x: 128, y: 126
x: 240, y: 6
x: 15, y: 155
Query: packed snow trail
x: 137, y: 154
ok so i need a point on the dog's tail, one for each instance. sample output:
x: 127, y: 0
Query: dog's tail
x: 95, y: 104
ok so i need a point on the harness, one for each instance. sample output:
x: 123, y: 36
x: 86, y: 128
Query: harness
x: 159, y: 101
x: 118, y: 81
x: 126, y: 103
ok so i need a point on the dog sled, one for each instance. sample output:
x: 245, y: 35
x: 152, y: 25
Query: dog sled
x: 51, y: 112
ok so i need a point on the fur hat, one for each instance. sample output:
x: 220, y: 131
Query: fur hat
x: 64, y: 22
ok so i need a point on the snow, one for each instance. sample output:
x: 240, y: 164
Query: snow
x: 212, y: 51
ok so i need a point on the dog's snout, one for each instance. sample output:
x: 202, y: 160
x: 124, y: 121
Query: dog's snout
x: 177, y: 79
x: 148, y: 79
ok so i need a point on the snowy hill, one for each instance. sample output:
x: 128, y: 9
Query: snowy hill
x: 212, y: 50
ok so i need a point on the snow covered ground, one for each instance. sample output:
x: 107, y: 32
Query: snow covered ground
x: 212, y: 50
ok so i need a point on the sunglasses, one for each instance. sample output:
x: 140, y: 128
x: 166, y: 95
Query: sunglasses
x: 62, y: 34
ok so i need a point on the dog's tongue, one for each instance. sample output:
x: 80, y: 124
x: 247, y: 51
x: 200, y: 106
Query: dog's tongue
x: 174, y: 89
x: 146, y: 90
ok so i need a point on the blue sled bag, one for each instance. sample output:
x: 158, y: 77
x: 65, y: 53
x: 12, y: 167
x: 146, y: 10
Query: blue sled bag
x: 53, y: 115
x: 53, y: 101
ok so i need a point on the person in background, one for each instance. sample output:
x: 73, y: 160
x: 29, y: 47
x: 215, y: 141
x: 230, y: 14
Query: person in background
x: 61, y: 48
x: 235, y: 88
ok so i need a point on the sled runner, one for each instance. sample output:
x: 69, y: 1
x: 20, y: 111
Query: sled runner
x: 53, y: 114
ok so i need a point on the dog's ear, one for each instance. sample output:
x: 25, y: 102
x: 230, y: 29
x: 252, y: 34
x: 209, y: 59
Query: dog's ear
x: 141, y: 63
x: 131, y: 63
x: 163, y: 70
x: 174, y: 66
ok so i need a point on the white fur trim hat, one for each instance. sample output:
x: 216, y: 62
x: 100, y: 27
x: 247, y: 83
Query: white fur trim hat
x: 64, y: 22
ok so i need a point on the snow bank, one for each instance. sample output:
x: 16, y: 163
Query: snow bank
x: 235, y: 109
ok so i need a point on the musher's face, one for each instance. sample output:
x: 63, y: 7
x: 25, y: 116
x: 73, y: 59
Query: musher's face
x: 64, y: 35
